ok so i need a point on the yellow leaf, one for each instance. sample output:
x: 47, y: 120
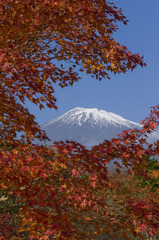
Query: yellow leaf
x: 62, y: 165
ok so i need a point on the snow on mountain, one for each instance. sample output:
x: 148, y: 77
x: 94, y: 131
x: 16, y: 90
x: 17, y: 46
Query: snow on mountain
x: 87, y: 126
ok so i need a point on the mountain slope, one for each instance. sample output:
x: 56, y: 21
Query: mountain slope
x: 87, y: 126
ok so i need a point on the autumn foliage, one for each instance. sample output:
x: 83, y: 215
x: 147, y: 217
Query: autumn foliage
x: 66, y: 191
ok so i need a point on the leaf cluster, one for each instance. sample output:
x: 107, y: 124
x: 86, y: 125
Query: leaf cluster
x: 65, y: 191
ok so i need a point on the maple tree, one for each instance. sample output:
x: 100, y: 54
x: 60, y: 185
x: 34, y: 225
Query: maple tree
x: 153, y: 171
x: 63, y: 191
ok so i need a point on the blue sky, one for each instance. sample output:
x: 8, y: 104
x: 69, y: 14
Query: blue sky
x: 130, y: 95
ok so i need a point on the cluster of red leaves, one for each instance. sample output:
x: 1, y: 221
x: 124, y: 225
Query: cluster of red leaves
x: 64, y: 186
x: 136, y: 208
x: 50, y: 186
x: 7, y: 228
x: 57, y: 190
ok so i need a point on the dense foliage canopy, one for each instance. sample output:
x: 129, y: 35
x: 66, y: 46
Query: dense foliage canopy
x: 65, y: 191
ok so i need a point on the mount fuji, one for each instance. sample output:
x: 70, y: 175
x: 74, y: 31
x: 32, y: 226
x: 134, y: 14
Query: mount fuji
x: 87, y: 126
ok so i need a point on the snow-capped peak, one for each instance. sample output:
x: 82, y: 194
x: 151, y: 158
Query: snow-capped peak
x: 94, y: 116
x: 88, y: 126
